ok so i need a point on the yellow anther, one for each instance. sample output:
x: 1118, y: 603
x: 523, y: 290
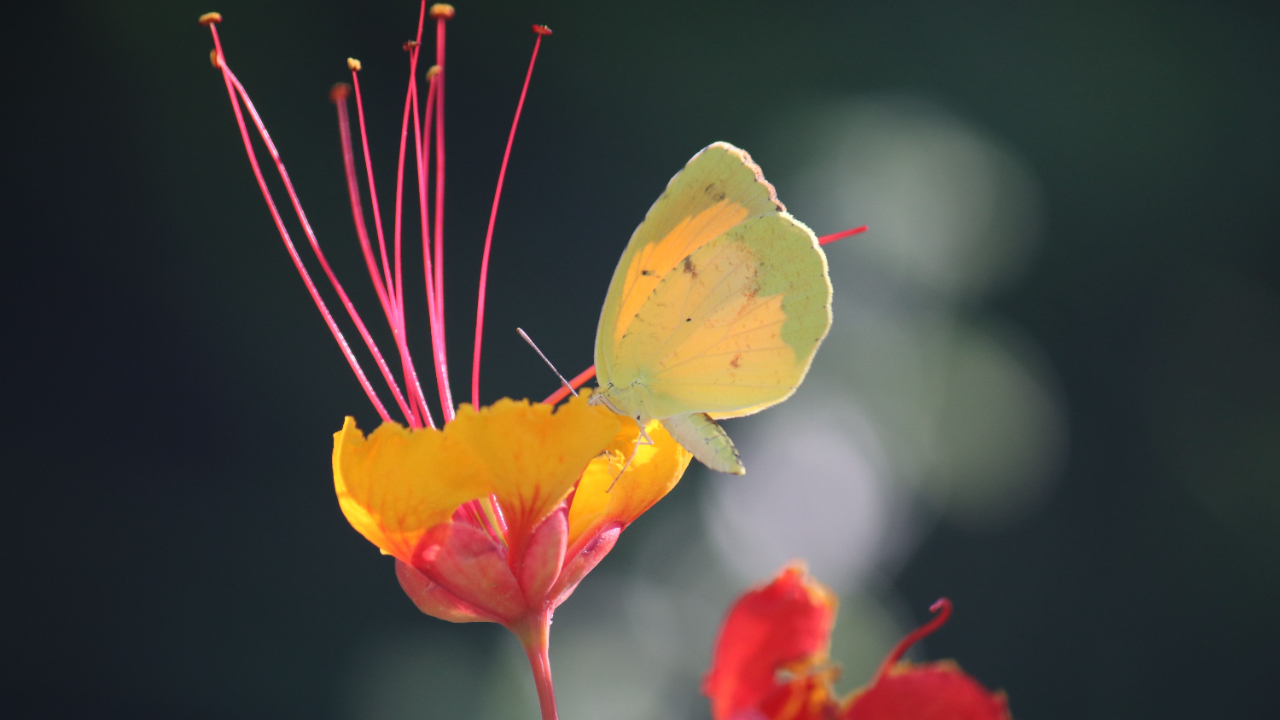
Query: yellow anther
x: 442, y: 10
x: 213, y: 59
x: 433, y: 71
x: 210, y: 18
x: 353, y: 63
x: 339, y: 92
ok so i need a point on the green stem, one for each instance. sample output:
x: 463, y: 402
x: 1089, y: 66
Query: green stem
x: 534, y: 633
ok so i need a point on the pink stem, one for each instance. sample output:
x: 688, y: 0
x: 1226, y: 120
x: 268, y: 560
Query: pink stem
x: 233, y: 91
x: 578, y: 381
x: 534, y: 635
x: 493, y: 218
x: 827, y: 239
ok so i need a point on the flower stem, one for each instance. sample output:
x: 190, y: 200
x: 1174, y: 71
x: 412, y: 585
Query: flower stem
x: 534, y: 633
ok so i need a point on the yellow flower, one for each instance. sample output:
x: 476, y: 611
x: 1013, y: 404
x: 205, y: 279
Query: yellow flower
x: 504, y: 510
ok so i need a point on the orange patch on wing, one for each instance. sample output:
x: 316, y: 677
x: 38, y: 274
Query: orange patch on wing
x: 652, y: 263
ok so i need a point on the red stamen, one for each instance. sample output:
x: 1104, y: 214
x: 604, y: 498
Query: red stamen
x: 943, y: 609
x: 339, y: 95
x: 373, y: 188
x: 540, y: 30
x: 422, y: 130
x: 235, y: 91
x: 578, y: 381
x: 399, y: 329
x: 441, y: 12
x: 828, y: 239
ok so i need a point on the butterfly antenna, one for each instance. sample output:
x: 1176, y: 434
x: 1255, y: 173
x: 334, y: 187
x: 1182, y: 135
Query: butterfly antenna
x: 533, y: 345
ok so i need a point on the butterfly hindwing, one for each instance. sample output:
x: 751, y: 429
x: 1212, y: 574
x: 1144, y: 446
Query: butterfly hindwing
x: 708, y: 442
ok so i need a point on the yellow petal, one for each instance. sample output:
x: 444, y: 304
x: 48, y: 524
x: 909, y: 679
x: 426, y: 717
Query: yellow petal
x: 532, y: 456
x: 652, y: 474
x: 398, y: 483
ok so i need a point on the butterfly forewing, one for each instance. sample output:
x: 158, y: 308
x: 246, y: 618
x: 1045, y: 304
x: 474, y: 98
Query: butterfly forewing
x: 732, y: 330
x: 717, y: 190
x: 717, y: 307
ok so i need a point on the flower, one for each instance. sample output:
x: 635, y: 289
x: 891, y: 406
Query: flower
x: 771, y: 663
x: 498, y: 514
x: 540, y: 480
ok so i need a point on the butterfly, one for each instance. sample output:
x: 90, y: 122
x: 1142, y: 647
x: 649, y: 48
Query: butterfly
x: 716, y: 308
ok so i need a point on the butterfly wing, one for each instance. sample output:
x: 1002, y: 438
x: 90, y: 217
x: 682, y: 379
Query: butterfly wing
x: 718, y: 189
x: 734, y: 329
x: 723, y: 313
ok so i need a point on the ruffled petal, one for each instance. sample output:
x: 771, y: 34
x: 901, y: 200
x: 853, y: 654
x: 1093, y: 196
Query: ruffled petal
x: 654, y: 471
x: 398, y: 483
x: 532, y: 456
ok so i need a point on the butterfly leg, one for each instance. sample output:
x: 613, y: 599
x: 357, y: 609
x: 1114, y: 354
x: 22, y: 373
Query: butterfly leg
x: 644, y: 440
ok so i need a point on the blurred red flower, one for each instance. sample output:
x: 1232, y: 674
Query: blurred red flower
x: 771, y: 663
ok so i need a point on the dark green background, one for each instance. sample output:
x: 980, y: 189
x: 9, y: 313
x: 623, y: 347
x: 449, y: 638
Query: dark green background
x: 171, y: 533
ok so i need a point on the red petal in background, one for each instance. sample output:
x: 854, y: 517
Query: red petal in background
x: 784, y: 625
x: 933, y: 691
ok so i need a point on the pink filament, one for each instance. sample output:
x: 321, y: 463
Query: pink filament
x: 421, y: 416
x: 357, y: 208
x: 422, y: 144
x: 493, y: 218
x: 395, y: 290
x: 411, y: 375
x: 235, y: 92
x: 373, y: 189
x: 943, y: 609
x: 828, y: 239
x: 440, y: 349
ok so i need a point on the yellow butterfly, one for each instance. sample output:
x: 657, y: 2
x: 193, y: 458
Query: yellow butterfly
x: 716, y: 309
